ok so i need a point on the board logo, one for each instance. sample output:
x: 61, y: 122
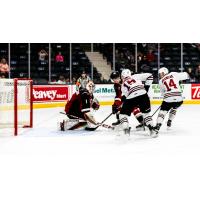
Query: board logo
x: 195, y: 91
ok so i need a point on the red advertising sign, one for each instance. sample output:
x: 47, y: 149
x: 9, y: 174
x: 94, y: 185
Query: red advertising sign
x: 195, y: 91
x: 44, y: 93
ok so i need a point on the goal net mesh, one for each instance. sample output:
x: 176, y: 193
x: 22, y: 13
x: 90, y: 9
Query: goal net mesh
x: 15, y: 107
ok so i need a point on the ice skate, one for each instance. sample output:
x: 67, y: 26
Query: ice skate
x: 153, y: 131
x: 140, y: 127
x: 116, y: 123
x: 62, y: 124
x: 169, y: 124
x: 157, y: 127
x: 127, y: 131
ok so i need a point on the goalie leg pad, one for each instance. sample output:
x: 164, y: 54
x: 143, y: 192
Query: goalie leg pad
x: 90, y: 118
x: 71, y: 124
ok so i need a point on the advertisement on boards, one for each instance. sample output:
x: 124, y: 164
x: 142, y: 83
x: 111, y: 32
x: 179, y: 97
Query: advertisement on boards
x: 195, y: 91
x: 48, y: 93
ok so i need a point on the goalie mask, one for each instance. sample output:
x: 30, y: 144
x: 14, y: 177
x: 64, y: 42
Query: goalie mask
x: 90, y: 87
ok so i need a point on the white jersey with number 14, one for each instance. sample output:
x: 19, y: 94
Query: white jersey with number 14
x: 170, y: 88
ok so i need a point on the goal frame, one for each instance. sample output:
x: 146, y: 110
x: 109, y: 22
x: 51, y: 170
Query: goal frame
x: 16, y: 104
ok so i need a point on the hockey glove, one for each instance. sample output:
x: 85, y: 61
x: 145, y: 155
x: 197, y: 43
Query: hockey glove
x: 95, y: 104
x: 123, y: 99
x: 115, y: 108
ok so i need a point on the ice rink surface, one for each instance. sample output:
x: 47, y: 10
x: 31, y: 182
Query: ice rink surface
x: 43, y: 163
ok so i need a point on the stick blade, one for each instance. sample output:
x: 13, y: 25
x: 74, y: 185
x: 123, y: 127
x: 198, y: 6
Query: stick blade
x: 78, y: 125
x: 90, y: 128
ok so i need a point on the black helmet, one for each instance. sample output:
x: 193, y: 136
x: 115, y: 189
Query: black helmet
x: 114, y: 75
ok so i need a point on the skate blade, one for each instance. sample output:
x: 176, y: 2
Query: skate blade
x: 140, y: 129
x: 169, y: 128
x: 154, y: 135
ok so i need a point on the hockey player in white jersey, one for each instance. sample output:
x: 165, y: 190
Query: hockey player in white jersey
x: 116, y: 79
x: 171, y: 92
x: 135, y: 95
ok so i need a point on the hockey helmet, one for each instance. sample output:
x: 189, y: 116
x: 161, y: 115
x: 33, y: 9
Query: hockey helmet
x: 114, y: 75
x: 126, y: 73
x: 163, y: 71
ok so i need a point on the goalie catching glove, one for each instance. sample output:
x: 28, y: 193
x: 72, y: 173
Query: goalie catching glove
x: 95, y: 104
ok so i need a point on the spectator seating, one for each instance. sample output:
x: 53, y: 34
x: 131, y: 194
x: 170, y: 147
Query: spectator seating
x: 170, y: 56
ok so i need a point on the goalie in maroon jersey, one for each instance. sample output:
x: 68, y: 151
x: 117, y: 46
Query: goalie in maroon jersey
x: 115, y: 78
x: 78, y: 108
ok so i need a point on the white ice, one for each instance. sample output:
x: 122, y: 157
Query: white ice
x: 43, y: 163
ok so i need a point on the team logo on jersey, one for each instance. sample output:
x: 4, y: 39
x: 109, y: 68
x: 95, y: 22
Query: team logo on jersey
x: 195, y: 91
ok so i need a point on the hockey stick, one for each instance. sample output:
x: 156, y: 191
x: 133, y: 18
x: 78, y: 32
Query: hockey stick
x: 156, y: 111
x: 108, y: 126
x: 101, y: 124
x: 75, y: 117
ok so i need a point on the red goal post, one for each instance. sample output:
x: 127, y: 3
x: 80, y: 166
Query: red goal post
x: 16, y: 104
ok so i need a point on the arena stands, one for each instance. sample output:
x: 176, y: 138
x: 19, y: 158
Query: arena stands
x: 141, y: 57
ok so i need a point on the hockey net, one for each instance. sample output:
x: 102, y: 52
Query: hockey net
x: 16, y: 105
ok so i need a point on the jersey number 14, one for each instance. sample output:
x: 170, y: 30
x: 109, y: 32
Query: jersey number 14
x: 170, y: 84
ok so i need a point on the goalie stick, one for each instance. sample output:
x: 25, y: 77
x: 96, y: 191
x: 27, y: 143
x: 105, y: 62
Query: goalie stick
x: 84, y: 122
x: 101, y: 124
x: 78, y: 125
x: 75, y: 117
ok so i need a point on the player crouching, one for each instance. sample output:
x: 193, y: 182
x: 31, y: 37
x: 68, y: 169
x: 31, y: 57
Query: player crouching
x: 79, y: 109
